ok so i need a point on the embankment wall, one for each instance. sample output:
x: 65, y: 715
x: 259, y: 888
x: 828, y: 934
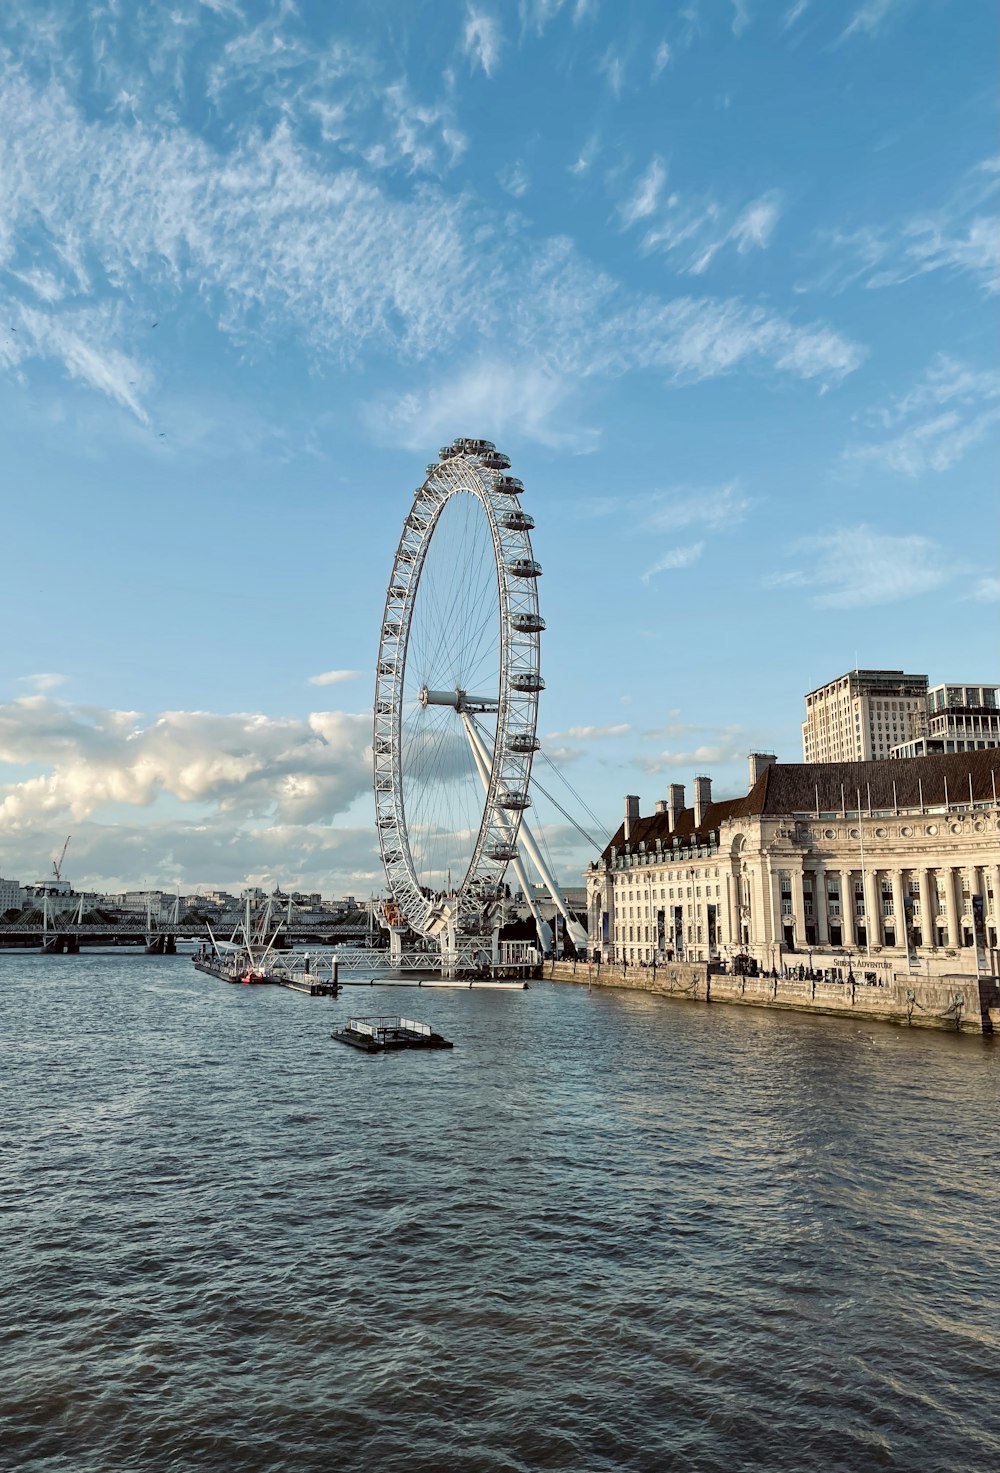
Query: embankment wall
x: 965, y: 1003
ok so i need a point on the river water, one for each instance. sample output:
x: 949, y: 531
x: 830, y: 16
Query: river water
x: 605, y: 1232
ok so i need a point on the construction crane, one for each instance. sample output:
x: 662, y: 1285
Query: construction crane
x: 57, y: 864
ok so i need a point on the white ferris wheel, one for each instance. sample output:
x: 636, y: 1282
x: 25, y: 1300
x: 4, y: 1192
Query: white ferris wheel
x: 456, y: 700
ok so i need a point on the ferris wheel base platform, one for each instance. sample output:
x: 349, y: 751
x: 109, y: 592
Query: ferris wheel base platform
x: 459, y: 984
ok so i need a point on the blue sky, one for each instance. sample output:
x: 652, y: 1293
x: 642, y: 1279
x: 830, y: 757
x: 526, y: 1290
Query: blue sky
x: 721, y: 277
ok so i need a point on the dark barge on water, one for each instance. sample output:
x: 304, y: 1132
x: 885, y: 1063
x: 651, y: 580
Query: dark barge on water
x: 379, y: 1035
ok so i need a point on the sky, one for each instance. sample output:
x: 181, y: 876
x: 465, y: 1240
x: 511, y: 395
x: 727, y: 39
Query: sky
x: 720, y: 276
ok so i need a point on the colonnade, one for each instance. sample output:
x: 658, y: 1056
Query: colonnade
x: 943, y: 900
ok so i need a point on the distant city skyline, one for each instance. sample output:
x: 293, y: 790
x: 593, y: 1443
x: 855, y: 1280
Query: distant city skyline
x: 721, y: 279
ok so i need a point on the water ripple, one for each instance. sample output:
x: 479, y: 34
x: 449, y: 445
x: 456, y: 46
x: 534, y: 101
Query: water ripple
x: 605, y: 1233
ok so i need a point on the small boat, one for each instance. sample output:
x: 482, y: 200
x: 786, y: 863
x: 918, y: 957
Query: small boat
x: 381, y: 1035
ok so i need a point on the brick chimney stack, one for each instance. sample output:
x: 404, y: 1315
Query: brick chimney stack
x: 631, y: 814
x: 675, y: 804
x: 702, y: 798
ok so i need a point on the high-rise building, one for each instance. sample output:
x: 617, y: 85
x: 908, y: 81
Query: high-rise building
x: 861, y: 716
x: 959, y: 718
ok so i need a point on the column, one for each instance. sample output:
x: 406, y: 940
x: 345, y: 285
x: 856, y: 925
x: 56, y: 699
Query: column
x: 848, y: 932
x: 799, y: 907
x: 928, y: 909
x: 898, y: 878
x: 953, y: 895
x: 771, y: 883
x: 819, y: 905
x: 975, y: 889
x: 873, y: 908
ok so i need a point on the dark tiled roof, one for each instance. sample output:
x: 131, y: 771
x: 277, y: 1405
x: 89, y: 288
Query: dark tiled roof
x: 792, y: 787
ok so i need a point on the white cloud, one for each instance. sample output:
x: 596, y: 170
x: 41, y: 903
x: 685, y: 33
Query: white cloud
x: 755, y: 226
x: 285, y: 770
x: 507, y: 400
x: 741, y: 16
x: 612, y: 67
x: 333, y: 677
x: 589, y: 733
x: 678, y: 557
x: 646, y: 195
x: 585, y: 158
x: 949, y: 410
x: 482, y: 41
x: 794, y: 13
x: 694, y: 232
x: 699, y: 756
x: 661, y: 59
x: 190, y: 855
x: 986, y: 591
x: 716, y: 509
x: 515, y: 179
x: 855, y: 567
x: 278, y: 238
x: 959, y: 238
x: 869, y: 18
x: 44, y: 682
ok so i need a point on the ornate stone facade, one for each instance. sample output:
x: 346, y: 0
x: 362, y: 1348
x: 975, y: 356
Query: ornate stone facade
x: 897, y: 861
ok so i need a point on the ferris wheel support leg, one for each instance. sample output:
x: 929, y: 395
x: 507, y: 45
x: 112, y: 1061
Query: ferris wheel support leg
x: 575, y: 930
x: 525, y: 836
x: 481, y: 755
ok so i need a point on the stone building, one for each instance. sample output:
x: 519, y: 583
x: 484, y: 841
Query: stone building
x: 898, y: 859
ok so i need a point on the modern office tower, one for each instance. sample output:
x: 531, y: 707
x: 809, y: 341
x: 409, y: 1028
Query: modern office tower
x: 862, y: 715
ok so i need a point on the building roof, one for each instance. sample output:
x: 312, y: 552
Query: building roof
x: 787, y: 788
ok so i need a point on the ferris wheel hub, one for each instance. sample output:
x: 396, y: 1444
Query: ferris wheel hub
x: 460, y: 700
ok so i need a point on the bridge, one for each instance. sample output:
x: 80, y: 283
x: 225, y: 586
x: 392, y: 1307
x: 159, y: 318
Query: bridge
x: 58, y: 935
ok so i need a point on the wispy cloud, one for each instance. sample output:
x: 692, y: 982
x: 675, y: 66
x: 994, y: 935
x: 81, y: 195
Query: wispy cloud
x: 698, y: 756
x: 716, y: 509
x: 677, y: 557
x: 870, y: 17
x: 950, y: 409
x: 693, y: 232
x: 585, y: 158
x: 855, y: 567
x: 524, y: 401
x: 741, y: 16
x: 985, y: 591
x: 646, y: 196
x: 712, y: 509
x: 661, y: 59
x: 43, y: 682
x: 612, y: 68
x: 482, y: 40
x: 334, y: 677
x: 515, y: 178
x: 589, y: 733
x: 959, y: 238
x: 276, y: 238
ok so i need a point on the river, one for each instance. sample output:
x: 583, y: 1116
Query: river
x: 604, y: 1232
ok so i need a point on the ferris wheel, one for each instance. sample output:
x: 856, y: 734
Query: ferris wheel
x: 456, y: 694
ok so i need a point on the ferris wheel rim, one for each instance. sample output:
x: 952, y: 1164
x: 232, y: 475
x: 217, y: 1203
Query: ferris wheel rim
x: 476, y: 468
